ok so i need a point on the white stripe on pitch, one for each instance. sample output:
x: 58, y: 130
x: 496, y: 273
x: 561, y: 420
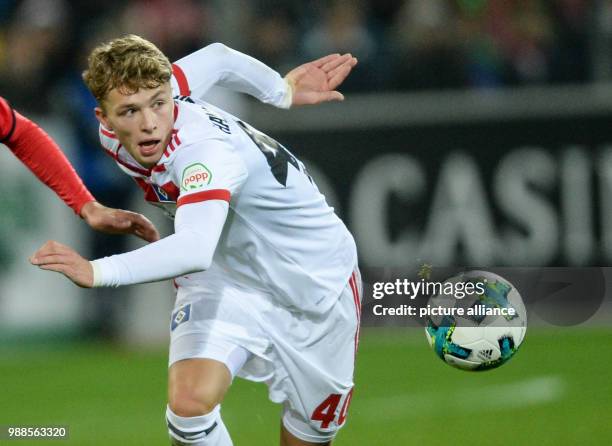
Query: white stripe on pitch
x: 532, y: 391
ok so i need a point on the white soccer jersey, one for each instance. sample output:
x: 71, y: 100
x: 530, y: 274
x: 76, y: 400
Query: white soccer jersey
x: 194, y: 75
x: 216, y: 64
x: 280, y: 235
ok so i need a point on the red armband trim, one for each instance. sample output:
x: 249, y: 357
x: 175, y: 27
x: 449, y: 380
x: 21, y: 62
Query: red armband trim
x: 213, y: 194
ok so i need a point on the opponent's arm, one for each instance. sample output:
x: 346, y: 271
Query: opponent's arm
x: 35, y: 148
x: 216, y: 64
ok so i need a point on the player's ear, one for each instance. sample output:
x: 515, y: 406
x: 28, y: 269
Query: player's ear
x: 102, y: 117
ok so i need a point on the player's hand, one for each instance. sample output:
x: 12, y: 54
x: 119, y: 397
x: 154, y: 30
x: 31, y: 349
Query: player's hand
x: 54, y: 256
x: 316, y: 82
x: 116, y: 221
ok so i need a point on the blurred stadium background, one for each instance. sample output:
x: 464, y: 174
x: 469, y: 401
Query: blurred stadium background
x: 475, y: 132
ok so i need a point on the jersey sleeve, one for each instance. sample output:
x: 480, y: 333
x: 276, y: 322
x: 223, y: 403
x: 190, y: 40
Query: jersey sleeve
x: 208, y: 170
x: 35, y: 148
x: 209, y: 173
x: 190, y: 249
x: 7, y: 120
x: 216, y: 64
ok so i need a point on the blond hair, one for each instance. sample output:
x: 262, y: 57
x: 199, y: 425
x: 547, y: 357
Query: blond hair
x: 128, y: 64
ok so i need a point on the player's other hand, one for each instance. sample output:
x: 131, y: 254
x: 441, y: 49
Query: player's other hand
x: 54, y: 256
x: 116, y: 221
x: 316, y: 82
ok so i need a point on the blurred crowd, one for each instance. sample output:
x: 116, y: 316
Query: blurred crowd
x: 401, y: 44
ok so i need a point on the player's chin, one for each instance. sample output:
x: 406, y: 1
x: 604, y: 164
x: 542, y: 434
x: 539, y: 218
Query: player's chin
x: 149, y: 157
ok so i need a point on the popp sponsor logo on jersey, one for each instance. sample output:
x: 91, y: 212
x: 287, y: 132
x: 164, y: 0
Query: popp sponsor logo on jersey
x: 195, y: 176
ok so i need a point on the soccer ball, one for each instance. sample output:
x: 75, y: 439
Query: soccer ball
x: 481, y: 330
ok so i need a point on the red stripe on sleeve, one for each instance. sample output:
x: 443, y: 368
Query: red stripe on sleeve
x: 214, y: 194
x: 35, y: 148
x: 181, y: 80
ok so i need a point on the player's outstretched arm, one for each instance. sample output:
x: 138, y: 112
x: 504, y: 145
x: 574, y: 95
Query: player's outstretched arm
x: 217, y: 64
x: 35, y: 148
x: 316, y: 82
x: 190, y: 249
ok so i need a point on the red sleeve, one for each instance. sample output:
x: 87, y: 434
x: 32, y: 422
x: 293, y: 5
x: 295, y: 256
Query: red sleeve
x: 35, y: 148
x: 7, y: 120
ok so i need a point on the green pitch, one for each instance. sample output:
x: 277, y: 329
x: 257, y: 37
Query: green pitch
x: 556, y: 391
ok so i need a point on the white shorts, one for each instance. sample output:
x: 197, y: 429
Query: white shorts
x: 307, y: 361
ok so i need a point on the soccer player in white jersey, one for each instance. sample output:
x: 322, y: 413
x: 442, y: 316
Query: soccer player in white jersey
x: 267, y: 281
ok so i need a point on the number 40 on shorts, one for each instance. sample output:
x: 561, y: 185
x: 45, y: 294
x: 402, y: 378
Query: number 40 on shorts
x: 326, y: 411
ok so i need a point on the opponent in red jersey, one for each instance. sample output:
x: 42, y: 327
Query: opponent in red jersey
x: 35, y: 148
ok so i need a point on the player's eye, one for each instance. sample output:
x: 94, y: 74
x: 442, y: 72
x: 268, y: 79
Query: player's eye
x: 127, y: 112
x: 158, y: 103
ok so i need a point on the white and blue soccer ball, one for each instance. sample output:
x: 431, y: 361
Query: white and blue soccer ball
x: 486, y: 335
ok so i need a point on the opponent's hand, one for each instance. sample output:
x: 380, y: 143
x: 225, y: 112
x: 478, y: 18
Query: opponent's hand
x: 116, y: 221
x: 54, y: 256
x: 316, y: 82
